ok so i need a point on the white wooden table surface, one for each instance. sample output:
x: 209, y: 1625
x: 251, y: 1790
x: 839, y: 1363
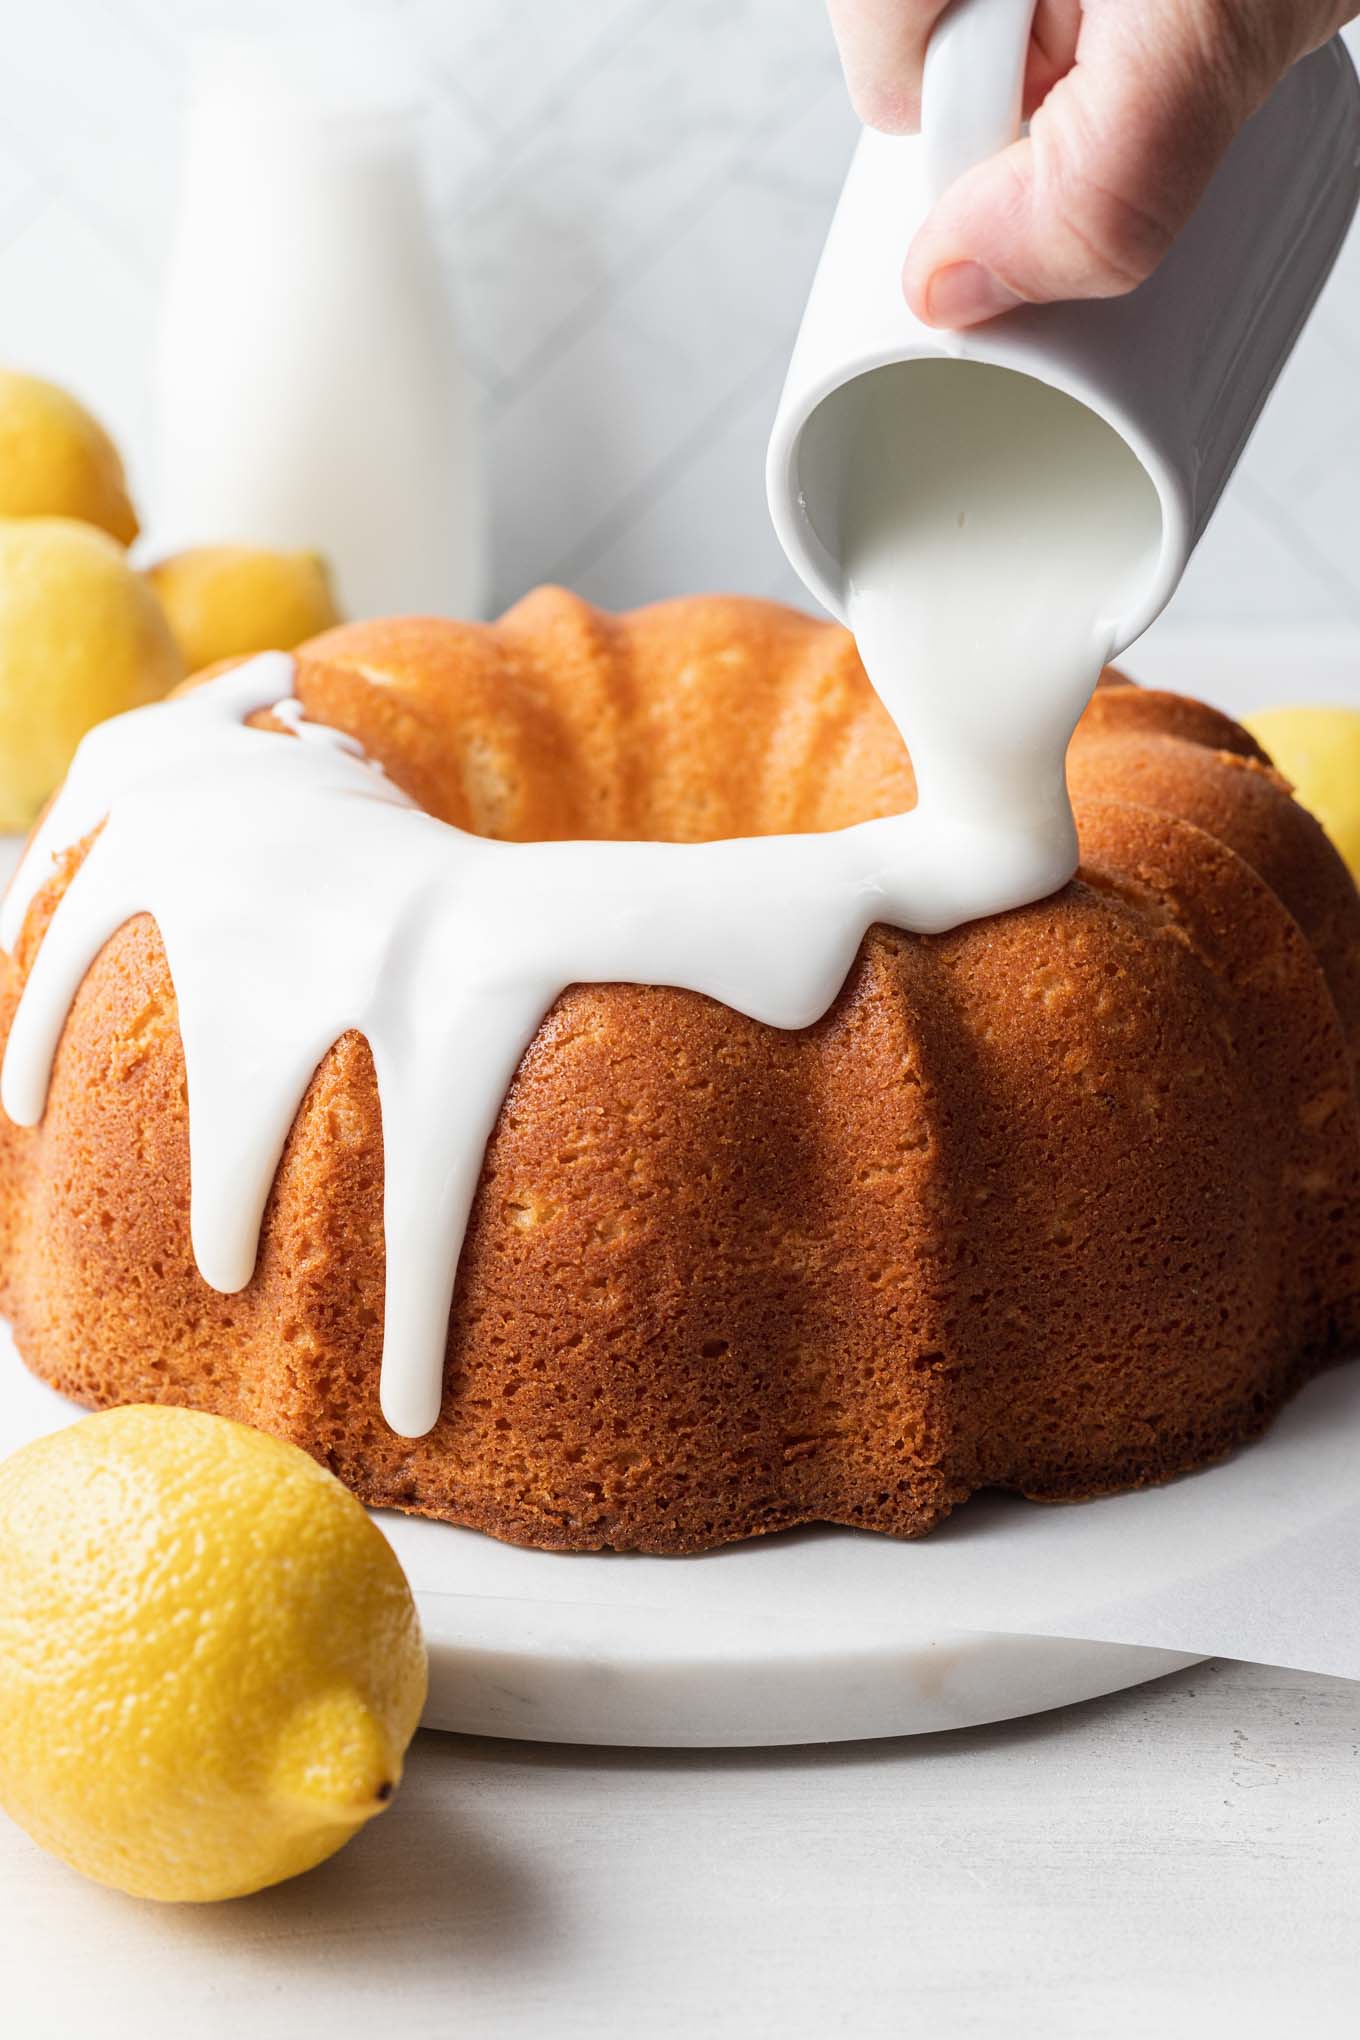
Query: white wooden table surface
x: 1179, y: 1859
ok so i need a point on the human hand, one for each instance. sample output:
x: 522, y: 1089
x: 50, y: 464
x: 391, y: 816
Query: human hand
x: 1131, y: 105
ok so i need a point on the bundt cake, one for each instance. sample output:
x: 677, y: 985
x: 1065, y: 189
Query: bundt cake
x: 1063, y: 1200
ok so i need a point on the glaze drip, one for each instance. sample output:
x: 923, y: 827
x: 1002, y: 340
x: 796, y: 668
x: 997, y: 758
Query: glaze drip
x: 300, y: 895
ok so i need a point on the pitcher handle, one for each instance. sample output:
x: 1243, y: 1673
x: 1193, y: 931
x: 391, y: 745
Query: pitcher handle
x: 973, y: 86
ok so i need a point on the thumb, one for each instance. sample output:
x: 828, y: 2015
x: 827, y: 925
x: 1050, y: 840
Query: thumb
x: 1116, y: 160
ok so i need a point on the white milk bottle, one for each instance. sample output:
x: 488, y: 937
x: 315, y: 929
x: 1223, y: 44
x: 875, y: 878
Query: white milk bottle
x: 310, y: 389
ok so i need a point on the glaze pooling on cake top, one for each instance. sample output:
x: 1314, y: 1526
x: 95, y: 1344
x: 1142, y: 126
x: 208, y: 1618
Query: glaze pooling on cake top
x: 300, y: 895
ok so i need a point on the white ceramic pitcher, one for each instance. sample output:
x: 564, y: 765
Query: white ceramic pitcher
x: 1180, y: 367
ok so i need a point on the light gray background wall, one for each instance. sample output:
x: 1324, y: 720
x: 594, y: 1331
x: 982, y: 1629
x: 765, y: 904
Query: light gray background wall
x: 631, y: 195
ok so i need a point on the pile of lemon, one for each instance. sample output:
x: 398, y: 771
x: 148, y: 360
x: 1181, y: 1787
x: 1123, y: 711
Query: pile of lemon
x: 83, y: 635
x: 210, y: 1660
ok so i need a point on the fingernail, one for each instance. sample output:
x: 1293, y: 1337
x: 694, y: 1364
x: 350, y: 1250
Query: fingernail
x: 964, y: 294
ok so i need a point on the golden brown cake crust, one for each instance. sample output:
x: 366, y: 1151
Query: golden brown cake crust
x: 1066, y: 1201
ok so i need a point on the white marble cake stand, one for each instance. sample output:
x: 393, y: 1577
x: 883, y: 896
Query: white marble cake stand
x: 631, y: 1652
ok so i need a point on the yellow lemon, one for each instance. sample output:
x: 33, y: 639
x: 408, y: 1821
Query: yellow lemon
x: 58, y: 461
x: 226, y: 601
x: 81, y: 638
x: 210, y: 1661
x: 1318, y: 751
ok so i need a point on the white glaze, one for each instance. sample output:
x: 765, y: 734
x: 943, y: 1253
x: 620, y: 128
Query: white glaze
x: 993, y: 530
x: 299, y: 894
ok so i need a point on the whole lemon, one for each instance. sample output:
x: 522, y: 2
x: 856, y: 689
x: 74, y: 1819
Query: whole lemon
x: 81, y: 638
x: 227, y: 601
x: 58, y: 461
x: 210, y: 1661
x: 1318, y: 751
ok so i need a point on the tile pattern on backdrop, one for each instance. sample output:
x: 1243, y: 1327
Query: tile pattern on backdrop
x: 631, y: 196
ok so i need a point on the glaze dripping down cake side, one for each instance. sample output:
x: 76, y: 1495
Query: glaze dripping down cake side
x: 1065, y: 1200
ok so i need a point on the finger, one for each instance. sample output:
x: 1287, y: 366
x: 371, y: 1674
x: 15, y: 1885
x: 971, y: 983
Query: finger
x: 1117, y: 158
x: 1052, y: 49
x: 883, y: 46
